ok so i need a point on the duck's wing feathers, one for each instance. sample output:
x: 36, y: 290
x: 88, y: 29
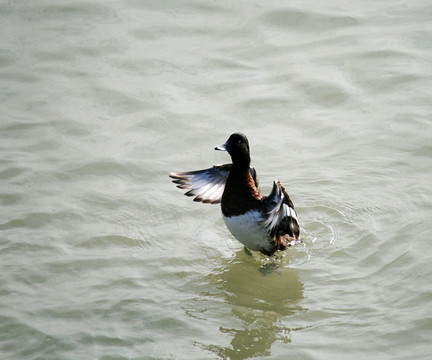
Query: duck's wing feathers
x: 281, y: 216
x: 206, y: 185
x: 254, y: 176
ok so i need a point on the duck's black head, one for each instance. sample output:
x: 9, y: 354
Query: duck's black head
x: 238, y: 147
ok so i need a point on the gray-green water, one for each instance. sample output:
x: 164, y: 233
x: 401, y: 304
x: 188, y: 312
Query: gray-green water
x: 101, y: 257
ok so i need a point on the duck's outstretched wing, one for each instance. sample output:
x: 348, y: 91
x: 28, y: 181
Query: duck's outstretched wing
x: 282, y: 221
x: 206, y: 185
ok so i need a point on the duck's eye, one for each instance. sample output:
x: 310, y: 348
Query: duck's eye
x: 239, y: 141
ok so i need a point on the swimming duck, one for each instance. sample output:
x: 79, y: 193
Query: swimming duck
x: 260, y: 223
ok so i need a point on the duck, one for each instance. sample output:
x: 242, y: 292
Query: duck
x: 261, y: 223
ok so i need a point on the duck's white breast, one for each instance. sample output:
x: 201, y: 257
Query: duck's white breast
x: 249, y: 230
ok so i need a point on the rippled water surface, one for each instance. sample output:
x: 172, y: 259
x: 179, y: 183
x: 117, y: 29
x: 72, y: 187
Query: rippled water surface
x: 101, y: 257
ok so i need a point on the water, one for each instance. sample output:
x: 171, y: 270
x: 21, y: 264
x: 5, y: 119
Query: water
x: 101, y: 257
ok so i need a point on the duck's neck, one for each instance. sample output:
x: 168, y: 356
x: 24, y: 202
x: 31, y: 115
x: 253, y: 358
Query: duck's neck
x: 241, y: 163
x: 241, y: 193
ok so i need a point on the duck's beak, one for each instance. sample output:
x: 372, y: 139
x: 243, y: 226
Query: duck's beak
x: 221, y: 148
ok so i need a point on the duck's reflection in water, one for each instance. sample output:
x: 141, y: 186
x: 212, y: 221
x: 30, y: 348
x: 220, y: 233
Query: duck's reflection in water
x: 257, y: 300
